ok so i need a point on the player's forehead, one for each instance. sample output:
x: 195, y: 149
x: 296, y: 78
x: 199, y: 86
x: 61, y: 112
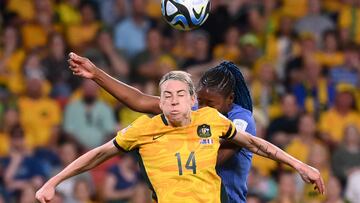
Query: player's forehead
x: 174, y: 86
x: 209, y: 93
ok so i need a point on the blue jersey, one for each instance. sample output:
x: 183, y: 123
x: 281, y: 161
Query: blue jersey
x: 234, y: 172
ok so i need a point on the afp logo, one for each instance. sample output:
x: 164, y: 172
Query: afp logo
x: 204, y: 131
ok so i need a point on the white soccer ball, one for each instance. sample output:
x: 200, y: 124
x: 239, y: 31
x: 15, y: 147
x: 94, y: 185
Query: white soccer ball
x: 185, y: 14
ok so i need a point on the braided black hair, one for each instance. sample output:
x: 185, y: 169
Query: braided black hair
x: 226, y: 78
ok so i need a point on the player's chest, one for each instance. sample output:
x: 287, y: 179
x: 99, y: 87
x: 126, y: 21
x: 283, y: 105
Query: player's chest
x: 201, y: 138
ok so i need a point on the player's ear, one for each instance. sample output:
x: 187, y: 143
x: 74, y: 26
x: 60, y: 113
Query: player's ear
x: 160, y: 104
x: 193, y: 100
x: 230, y: 99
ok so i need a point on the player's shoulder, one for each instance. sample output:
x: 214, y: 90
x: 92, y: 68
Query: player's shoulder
x: 209, y: 113
x: 142, y: 120
x: 146, y: 124
x: 206, y: 111
x: 238, y: 110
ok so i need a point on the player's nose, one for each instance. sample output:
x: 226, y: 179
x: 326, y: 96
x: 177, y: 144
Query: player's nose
x: 174, y: 101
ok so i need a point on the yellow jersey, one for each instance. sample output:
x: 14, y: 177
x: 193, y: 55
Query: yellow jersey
x: 179, y: 161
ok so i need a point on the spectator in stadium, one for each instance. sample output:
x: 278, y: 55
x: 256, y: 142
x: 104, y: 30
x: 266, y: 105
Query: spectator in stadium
x: 335, y: 196
x: 286, y: 188
x: 113, y: 11
x: 121, y: 180
x: 303, y: 47
x: 349, y: 71
x: 21, y: 167
x: 68, y: 12
x: 88, y: 119
x: 229, y: 49
x: 104, y: 54
x: 217, y: 23
x: 130, y: 33
x: 319, y: 157
x: 330, y: 54
x: 349, y: 26
x: 27, y: 194
x: 265, y: 89
x: 346, y: 157
x: 32, y: 67
x: 177, y: 91
x: 82, y: 191
x: 35, y: 33
x: 80, y: 35
x: 300, y: 145
x: 200, y: 48
x: 183, y: 46
x: 10, y: 119
x: 253, y: 198
x: 145, y: 65
x: 315, y: 93
x: 68, y: 151
x: 282, y: 129
x: 314, y: 22
x: 352, y: 190
x: 263, y: 186
x: 11, y: 59
x: 39, y: 114
x: 54, y: 66
x: 250, y: 48
x: 280, y: 44
x: 334, y: 121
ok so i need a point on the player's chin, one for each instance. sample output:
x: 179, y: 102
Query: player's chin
x: 175, y: 117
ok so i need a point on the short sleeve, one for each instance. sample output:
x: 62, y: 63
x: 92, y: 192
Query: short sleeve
x: 127, y: 139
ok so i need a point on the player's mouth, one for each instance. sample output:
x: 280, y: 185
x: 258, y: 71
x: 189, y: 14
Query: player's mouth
x: 174, y: 112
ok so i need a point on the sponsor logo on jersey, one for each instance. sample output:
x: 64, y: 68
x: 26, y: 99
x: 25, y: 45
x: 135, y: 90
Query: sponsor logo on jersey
x: 206, y: 141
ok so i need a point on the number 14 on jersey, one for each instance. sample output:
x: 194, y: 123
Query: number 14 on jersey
x: 190, y: 163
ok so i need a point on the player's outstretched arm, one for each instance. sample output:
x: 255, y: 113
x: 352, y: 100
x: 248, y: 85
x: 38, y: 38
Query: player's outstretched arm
x: 84, y: 163
x: 268, y: 150
x: 130, y: 96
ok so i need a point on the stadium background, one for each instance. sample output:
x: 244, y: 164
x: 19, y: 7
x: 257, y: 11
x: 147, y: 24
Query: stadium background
x: 300, y: 59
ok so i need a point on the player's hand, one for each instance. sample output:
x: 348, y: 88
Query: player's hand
x: 45, y: 194
x: 81, y: 66
x: 312, y: 175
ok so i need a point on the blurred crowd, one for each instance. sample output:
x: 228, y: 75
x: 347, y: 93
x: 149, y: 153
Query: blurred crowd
x: 301, y: 61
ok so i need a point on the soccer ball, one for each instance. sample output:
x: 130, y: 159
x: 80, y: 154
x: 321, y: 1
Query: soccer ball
x: 185, y: 14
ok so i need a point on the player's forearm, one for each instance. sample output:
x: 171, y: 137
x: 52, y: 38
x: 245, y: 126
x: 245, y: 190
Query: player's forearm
x: 130, y: 96
x: 84, y: 163
x: 268, y: 150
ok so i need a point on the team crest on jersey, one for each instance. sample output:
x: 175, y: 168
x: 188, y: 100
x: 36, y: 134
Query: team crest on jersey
x: 204, y: 131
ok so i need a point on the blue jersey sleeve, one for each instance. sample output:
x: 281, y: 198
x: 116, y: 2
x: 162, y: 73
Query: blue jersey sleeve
x: 243, y: 120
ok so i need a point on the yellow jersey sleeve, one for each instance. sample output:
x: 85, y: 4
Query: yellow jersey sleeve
x: 128, y: 138
x: 228, y: 129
